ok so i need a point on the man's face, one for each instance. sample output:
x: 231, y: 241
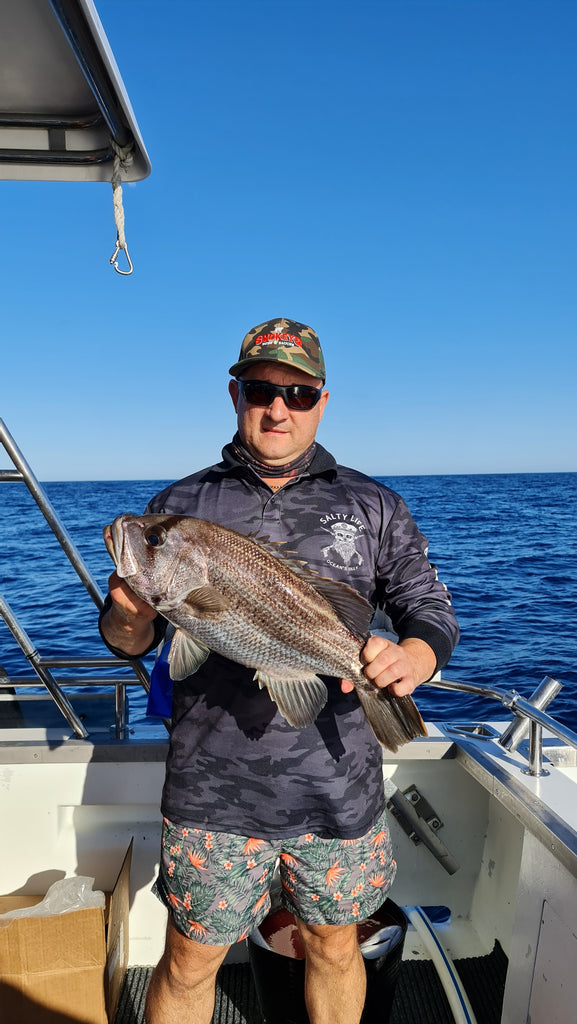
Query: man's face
x: 276, y: 434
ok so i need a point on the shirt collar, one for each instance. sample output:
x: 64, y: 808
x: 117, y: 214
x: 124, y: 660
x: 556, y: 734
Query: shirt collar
x: 323, y: 462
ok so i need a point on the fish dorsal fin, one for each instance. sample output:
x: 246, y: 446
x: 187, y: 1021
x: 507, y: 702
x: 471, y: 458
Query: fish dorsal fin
x: 350, y: 606
x: 298, y: 700
x: 205, y: 602
x: 259, y: 538
x: 185, y: 655
x: 279, y: 549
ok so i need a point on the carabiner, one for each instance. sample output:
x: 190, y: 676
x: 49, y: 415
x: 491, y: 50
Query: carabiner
x: 114, y: 261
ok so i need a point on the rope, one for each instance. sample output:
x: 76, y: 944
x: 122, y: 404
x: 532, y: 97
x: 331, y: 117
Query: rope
x: 122, y: 160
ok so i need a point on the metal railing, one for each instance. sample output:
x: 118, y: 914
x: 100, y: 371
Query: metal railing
x: 530, y: 718
x: 42, y: 665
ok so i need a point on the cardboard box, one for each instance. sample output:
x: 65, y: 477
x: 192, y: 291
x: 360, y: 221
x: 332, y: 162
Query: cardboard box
x: 67, y: 968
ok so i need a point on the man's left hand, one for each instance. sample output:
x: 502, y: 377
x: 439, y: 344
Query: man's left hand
x: 401, y: 667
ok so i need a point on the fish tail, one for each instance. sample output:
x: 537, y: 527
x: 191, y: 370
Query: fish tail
x: 394, y: 720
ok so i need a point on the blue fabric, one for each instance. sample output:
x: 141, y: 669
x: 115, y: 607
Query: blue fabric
x: 160, y: 695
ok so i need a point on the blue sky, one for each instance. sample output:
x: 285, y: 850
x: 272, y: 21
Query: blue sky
x: 400, y: 175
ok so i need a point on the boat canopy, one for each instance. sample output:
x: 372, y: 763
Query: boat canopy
x: 64, y: 112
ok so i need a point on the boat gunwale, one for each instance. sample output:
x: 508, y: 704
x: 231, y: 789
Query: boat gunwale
x: 528, y: 799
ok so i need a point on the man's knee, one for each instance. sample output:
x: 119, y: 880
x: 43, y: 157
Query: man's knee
x: 335, y: 944
x: 188, y: 963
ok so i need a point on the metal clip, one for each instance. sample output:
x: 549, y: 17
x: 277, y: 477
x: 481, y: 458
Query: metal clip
x: 114, y: 261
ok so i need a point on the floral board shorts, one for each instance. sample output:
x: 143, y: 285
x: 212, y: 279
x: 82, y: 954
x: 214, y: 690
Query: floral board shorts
x: 216, y: 885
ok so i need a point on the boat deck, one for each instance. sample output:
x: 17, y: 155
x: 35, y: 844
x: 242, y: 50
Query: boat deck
x: 419, y: 996
x: 512, y: 835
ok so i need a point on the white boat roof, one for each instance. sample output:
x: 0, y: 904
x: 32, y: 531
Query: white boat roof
x: 62, y: 99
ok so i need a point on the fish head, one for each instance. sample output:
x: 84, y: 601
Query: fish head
x: 159, y: 556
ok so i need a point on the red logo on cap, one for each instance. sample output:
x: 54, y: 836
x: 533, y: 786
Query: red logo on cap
x: 278, y: 336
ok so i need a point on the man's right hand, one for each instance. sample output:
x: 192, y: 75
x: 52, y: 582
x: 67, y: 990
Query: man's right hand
x: 128, y: 622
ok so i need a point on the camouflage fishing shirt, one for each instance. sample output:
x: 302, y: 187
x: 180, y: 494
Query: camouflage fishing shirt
x: 234, y: 763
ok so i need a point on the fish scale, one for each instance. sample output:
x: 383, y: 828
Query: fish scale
x: 254, y: 604
x: 277, y: 631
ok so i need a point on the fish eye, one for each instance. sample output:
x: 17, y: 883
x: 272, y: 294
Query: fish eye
x: 155, y: 536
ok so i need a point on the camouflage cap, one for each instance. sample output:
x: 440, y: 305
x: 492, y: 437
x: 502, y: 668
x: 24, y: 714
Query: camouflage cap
x: 282, y: 341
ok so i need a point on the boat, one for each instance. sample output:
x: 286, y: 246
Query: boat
x: 483, y: 813
x: 64, y: 111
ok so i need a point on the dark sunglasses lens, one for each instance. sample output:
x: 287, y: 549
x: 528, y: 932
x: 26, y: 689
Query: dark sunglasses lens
x: 257, y: 393
x: 302, y: 397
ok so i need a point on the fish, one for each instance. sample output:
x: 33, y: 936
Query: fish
x: 258, y: 604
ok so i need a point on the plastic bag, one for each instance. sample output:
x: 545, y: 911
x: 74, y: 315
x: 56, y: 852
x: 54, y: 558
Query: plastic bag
x: 381, y: 942
x: 62, y: 897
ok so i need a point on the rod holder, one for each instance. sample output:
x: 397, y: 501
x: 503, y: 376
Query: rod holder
x: 535, y: 768
x: 519, y: 728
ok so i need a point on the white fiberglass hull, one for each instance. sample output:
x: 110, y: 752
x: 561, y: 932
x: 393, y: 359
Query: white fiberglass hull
x: 73, y: 807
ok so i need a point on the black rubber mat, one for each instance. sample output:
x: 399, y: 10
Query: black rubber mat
x: 130, y: 1008
x: 419, y: 996
x: 235, y: 1003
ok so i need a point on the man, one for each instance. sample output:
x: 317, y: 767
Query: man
x: 242, y: 786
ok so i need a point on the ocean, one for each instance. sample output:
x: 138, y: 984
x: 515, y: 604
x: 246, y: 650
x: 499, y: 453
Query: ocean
x: 504, y: 545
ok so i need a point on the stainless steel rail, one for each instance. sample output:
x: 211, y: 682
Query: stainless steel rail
x: 523, y: 709
x: 24, y: 473
x: 44, y: 675
x: 42, y: 665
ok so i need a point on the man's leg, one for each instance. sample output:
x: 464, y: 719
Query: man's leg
x: 182, y: 983
x: 336, y: 883
x: 335, y: 978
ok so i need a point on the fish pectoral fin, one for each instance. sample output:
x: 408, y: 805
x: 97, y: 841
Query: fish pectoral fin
x: 205, y: 602
x: 394, y: 720
x: 298, y: 700
x: 185, y: 655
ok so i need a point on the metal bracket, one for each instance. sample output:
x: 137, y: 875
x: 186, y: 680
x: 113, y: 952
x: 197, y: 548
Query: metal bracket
x: 419, y: 821
x: 423, y: 809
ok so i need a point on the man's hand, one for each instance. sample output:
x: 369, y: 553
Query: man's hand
x: 128, y: 623
x: 401, y: 667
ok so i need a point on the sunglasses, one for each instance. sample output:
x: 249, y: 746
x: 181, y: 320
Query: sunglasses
x: 295, y: 396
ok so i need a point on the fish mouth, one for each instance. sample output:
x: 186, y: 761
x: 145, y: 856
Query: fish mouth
x: 118, y: 547
x: 109, y: 541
